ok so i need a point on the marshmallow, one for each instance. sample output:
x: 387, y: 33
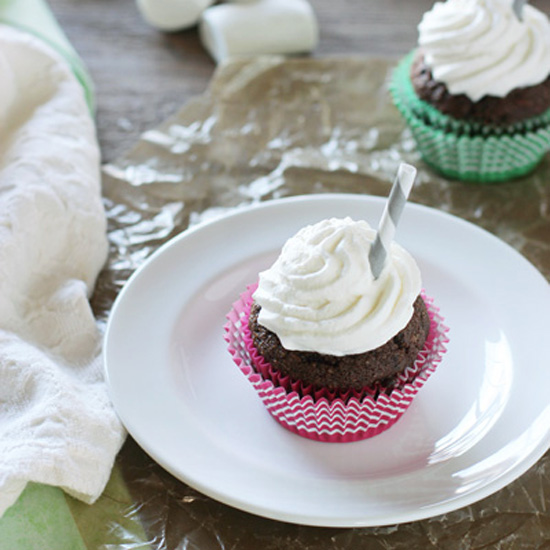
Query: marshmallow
x: 172, y: 15
x: 260, y: 27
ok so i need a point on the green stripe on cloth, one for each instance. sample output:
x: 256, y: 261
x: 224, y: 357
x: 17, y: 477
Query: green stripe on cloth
x: 45, y: 518
x: 35, y: 17
x: 40, y: 519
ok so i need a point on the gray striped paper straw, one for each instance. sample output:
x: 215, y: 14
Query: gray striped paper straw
x: 518, y: 8
x: 399, y: 194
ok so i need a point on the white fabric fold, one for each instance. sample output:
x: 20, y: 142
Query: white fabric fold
x: 57, y: 425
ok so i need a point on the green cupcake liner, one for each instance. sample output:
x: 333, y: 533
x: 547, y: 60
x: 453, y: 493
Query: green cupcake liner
x: 465, y: 151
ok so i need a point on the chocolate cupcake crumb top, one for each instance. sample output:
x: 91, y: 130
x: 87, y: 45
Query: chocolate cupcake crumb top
x: 518, y: 105
x: 379, y: 366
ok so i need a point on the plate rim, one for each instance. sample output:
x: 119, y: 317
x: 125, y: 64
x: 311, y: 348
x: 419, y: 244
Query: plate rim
x: 425, y: 512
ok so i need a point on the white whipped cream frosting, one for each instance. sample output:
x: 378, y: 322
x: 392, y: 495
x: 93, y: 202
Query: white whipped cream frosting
x: 480, y: 47
x: 320, y: 294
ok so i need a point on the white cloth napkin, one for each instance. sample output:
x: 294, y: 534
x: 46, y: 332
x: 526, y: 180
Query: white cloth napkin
x: 57, y: 425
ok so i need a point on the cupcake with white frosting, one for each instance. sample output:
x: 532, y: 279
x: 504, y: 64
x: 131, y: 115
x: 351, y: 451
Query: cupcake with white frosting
x: 476, y: 91
x: 335, y: 354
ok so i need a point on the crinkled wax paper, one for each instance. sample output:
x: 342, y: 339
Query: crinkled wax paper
x: 267, y: 128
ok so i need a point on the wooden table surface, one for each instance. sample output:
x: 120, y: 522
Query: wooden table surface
x: 142, y: 75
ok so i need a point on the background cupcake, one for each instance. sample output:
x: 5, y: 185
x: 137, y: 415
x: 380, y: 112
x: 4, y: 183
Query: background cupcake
x: 476, y: 92
x: 334, y: 353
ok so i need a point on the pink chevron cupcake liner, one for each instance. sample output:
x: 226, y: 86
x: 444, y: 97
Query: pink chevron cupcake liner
x: 325, y: 415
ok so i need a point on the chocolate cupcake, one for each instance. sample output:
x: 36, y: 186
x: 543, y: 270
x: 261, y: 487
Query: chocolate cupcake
x: 320, y: 334
x: 476, y: 92
x: 517, y: 105
x: 380, y: 366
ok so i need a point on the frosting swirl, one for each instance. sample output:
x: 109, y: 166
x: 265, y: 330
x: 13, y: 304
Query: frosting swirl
x: 480, y: 47
x: 320, y: 294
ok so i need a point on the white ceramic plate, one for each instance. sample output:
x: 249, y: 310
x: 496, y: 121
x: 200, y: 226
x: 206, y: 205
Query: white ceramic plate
x: 480, y: 421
